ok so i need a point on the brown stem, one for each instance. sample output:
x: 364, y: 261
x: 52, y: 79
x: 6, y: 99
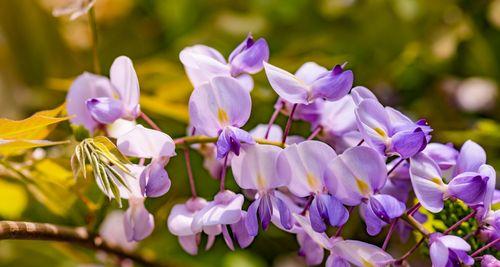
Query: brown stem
x: 389, y: 234
x: 199, y: 139
x: 273, y: 119
x: 289, y: 123
x: 190, y: 172
x: 415, y: 224
x: 457, y: 224
x: 316, y: 131
x: 149, y: 121
x: 485, y: 247
x: 79, y: 235
x: 408, y: 254
x: 93, y: 31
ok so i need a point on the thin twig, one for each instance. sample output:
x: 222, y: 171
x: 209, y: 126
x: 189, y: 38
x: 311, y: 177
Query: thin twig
x: 389, y: 234
x: 415, y: 224
x: 223, y: 174
x: 408, y: 254
x: 199, y: 139
x: 394, y: 167
x: 190, y: 172
x: 149, y: 121
x: 93, y: 30
x: 315, y: 132
x: 457, y: 224
x: 80, y: 236
x: 273, y: 119
x: 485, y: 247
x: 289, y: 123
x: 413, y: 209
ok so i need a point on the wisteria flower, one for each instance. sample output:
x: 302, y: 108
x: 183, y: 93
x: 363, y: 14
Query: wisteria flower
x: 113, y: 231
x: 307, y: 162
x: 202, y: 63
x: 255, y: 169
x: 94, y: 100
x: 389, y: 131
x: 449, y: 250
x: 219, y: 108
x: 138, y: 222
x: 180, y: 220
x: 355, y: 177
x: 309, y: 83
x: 149, y: 144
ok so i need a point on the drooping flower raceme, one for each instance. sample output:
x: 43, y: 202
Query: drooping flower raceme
x: 202, y: 63
x: 219, y: 108
x: 94, y: 100
x: 307, y: 162
x: 355, y: 177
x: 256, y: 169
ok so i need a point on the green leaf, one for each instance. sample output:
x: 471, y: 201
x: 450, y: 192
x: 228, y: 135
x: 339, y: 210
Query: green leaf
x: 171, y: 110
x: 13, y: 200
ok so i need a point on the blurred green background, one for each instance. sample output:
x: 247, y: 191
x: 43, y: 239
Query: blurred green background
x: 434, y: 59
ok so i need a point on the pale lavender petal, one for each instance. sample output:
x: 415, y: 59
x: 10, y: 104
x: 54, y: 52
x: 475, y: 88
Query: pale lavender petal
x: 154, y: 180
x: 255, y: 168
x: 454, y: 242
x: 124, y: 79
x: 309, y: 249
x: 373, y: 123
x: 439, y: 254
x: 336, y: 261
x: 373, y: 223
x: 488, y: 171
x: 224, y: 209
x: 489, y: 261
x: 338, y: 117
x: 427, y: 182
x: 138, y: 222
x: 333, y: 85
x: 227, y: 237
x: 181, y: 217
x: 105, y: 110
x: 445, y: 155
x: 470, y: 158
x: 286, y: 85
x: 275, y: 133
x: 408, y: 143
x: 246, y: 81
x: 146, y: 143
x: 309, y: 72
x: 230, y: 140
x: 307, y: 162
x: 469, y: 187
x: 189, y: 243
x: 250, y: 59
x: 86, y: 86
x: 360, y: 254
x: 119, y: 128
x: 113, y: 232
x: 360, y: 93
x: 220, y: 103
x: 203, y: 63
x: 355, y: 175
x: 285, y: 214
x: 265, y: 211
x: 317, y: 212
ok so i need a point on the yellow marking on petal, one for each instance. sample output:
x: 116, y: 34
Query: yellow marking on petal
x: 261, y: 182
x: 222, y: 116
x: 311, y: 181
x: 363, y: 187
x: 437, y: 180
x: 366, y: 263
x: 380, y: 132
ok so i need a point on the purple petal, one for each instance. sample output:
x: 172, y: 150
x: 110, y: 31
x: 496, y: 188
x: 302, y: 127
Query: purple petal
x: 285, y: 214
x: 203, y: 63
x: 221, y: 102
x: 286, y: 85
x: 386, y: 207
x: 359, y: 253
x: 124, y: 79
x: 336, y: 261
x: 439, y: 254
x: 86, y: 86
x: 470, y: 187
x: 355, y: 175
x: 146, y: 143
x: 309, y: 72
x: 227, y: 238
x: 360, y: 93
x: 138, y: 222
x: 489, y: 261
x: 181, y: 216
x: 250, y: 59
x: 317, y: 213
x: 373, y: 223
x: 241, y: 233
x: 224, y: 209
x: 333, y: 85
x: 444, y: 155
x: 105, y: 110
x: 408, y: 143
x: 309, y: 249
x: 488, y: 171
x: 251, y: 222
x: 230, y: 140
x: 373, y: 123
x: 470, y: 158
x: 154, y: 180
x: 265, y: 211
x: 275, y: 133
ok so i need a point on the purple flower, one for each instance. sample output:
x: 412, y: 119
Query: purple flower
x: 113, y: 232
x: 218, y: 108
x: 179, y: 223
x: 307, y: 162
x: 202, y: 63
x: 470, y: 158
x: 443, y: 154
x: 390, y: 132
x: 138, y: 222
x: 489, y: 261
x: 275, y: 133
x: 309, y: 83
x: 96, y: 100
x: 355, y: 177
x: 255, y: 169
x: 146, y: 143
x: 213, y: 219
x: 449, y: 250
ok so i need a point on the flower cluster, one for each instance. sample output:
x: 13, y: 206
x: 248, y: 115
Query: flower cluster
x: 366, y: 155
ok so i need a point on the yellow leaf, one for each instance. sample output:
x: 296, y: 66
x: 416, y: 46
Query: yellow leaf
x: 9, y: 147
x: 34, y: 127
x: 174, y: 111
x: 13, y: 200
